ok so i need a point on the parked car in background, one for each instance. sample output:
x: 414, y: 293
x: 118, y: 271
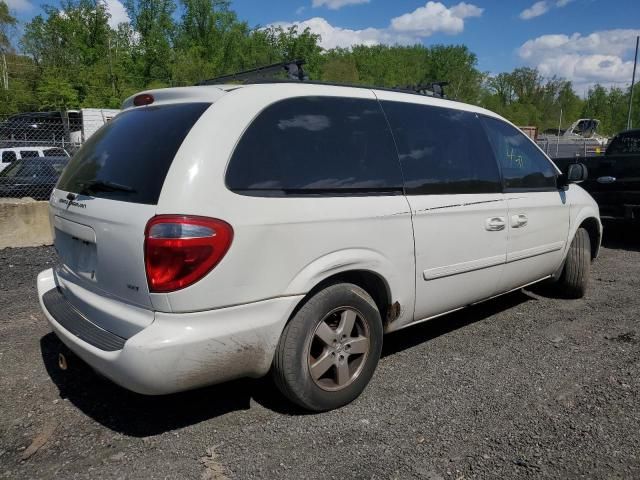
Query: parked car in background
x: 614, y: 178
x: 11, y: 154
x: 32, y: 177
x: 215, y: 232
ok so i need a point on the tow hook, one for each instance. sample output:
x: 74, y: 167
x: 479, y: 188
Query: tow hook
x: 62, y: 361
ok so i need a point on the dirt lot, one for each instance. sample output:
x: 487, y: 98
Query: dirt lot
x: 522, y: 386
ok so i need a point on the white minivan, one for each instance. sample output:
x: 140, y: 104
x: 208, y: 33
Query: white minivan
x: 215, y: 232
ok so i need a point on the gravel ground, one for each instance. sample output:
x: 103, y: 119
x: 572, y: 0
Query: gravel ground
x: 521, y: 386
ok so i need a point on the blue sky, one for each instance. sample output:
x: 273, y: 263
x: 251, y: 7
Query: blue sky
x: 586, y: 41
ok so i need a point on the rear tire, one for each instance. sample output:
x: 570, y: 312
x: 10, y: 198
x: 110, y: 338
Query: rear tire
x: 574, y: 279
x: 329, y: 350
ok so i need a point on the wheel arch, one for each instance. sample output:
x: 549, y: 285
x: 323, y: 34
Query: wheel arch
x: 371, y: 282
x: 594, y: 229
x: 379, y: 276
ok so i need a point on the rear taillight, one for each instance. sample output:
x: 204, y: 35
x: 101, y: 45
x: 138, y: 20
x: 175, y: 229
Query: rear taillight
x: 179, y: 250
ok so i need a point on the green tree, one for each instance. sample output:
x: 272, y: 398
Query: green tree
x: 7, y: 22
x: 154, y: 28
x: 56, y: 93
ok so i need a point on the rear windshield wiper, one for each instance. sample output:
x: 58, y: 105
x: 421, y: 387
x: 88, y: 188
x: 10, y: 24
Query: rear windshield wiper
x: 104, y: 186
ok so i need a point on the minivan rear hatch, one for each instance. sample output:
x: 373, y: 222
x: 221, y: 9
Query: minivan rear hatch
x: 104, y: 199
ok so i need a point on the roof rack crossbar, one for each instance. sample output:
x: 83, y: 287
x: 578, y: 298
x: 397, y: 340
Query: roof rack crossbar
x: 292, y: 68
x: 430, y: 89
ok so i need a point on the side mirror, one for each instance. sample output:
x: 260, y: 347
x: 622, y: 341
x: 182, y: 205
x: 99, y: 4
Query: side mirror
x: 576, y: 173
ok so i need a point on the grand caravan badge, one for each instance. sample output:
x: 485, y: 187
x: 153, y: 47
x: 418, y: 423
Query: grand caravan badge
x: 72, y: 203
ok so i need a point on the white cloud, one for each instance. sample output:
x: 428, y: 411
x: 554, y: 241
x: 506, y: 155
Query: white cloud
x: 535, y: 10
x: 336, y: 4
x: 331, y: 37
x: 117, y: 11
x: 542, y: 7
x: 409, y: 28
x: 19, y: 5
x: 600, y: 57
x: 435, y: 17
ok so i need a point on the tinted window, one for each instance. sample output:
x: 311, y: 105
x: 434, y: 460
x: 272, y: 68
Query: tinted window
x: 442, y: 150
x: 55, y: 152
x: 133, y: 151
x: 523, y: 165
x: 625, y: 144
x: 312, y: 145
x: 29, y: 153
x: 8, y: 157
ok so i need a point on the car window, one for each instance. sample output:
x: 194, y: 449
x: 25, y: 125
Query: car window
x: 441, y: 150
x: 625, y: 144
x: 524, y: 167
x: 29, y: 153
x: 133, y: 151
x: 55, y: 152
x: 316, y: 145
x: 8, y: 157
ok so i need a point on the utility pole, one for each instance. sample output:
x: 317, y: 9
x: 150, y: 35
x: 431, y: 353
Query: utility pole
x: 559, y: 127
x: 633, y: 80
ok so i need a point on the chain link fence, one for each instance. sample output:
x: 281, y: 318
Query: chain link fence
x: 36, y: 146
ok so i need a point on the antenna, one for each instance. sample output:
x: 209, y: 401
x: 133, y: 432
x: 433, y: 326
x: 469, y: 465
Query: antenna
x: 292, y: 68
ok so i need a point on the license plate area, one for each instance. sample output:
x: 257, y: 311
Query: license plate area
x: 78, y: 256
x: 76, y: 247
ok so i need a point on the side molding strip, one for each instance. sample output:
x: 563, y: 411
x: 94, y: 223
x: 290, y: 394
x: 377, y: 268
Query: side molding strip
x: 464, y: 267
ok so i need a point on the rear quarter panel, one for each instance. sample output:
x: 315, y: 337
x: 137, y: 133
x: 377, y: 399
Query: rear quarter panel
x: 281, y: 246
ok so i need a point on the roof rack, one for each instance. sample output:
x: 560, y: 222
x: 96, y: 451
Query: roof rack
x: 293, y: 69
x: 430, y: 89
x: 295, y: 73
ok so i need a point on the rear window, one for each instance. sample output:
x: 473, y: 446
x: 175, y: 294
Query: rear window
x: 29, y: 153
x: 128, y: 158
x: 55, y: 152
x: 316, y: 146
x: 625, y: 144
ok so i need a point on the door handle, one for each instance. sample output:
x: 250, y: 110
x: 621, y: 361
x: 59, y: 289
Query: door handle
x: 494, y: 224
x: 519, y: 220
x: 606, y: 179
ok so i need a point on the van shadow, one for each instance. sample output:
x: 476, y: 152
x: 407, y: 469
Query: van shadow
x: 423, y: 332
x: 140, y: 416
x: 621, y: 236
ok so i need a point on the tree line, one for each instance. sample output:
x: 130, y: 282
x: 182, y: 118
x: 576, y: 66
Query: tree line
x: 70, y: 57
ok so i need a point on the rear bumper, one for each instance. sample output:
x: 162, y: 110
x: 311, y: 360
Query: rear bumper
x: 182, y: 351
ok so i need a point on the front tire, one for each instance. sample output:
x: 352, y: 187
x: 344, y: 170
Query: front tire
x: 329, y: 350
x: 574, y: 279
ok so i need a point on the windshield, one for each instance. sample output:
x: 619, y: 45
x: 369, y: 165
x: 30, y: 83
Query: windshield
x: 134, y: 151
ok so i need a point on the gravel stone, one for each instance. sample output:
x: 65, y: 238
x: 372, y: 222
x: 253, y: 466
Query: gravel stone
x: 522, y: 386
